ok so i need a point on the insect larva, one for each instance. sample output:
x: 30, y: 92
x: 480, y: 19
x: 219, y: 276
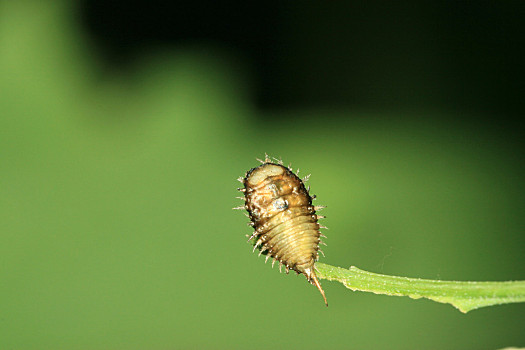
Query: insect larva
x: 285, y: 221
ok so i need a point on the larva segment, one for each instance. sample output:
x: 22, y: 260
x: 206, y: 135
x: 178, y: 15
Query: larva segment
x: 284, y: 219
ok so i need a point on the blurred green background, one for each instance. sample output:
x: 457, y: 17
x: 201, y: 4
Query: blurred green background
x: 118, y: 168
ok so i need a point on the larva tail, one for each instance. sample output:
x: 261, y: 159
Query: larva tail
x: 312, y: 278
x: 318, y: 285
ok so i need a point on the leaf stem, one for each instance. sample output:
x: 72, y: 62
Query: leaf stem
x: 465, y: 296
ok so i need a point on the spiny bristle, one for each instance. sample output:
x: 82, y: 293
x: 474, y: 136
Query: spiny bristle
x: 321, y: 242
x: 321, y: 235
x: 240, y: 207
x: 241, y: 189
x: 280, y: 266
x: 263, y: 249
x: 267, y: 257
x: 276, y: 160
x: 322, y: 226
x: 267, y: 159
x: 253, y: 235
x: 273, y: 262
x: 319, y: 217
x: 320, y: 251
x: 257, y: 244
x: 306, y: 178
x: 287, y: 269
x: 319, y: 207
x: 297, y: 172
x: 240, y: 179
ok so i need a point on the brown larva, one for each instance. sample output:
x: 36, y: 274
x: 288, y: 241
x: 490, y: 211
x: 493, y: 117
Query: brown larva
x: 285, y: 221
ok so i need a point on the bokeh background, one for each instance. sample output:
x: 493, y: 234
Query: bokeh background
x: 124, y: 124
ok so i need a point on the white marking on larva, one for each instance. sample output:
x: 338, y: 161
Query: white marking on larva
x: 280, y: 204
x: 273, y: 188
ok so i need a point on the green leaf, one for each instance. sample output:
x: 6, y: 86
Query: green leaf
x: 465, y: 296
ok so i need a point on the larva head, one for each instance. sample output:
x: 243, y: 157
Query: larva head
x: 271, y: 189
x: 256, y: 176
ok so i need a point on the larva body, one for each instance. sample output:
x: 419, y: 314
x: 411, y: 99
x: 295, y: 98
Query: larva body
x: 285, y: 221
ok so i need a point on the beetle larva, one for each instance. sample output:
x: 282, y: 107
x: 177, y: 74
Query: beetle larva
x: 285, y: 221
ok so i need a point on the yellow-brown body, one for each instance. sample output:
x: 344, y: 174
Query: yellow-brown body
x: 284, y: 219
